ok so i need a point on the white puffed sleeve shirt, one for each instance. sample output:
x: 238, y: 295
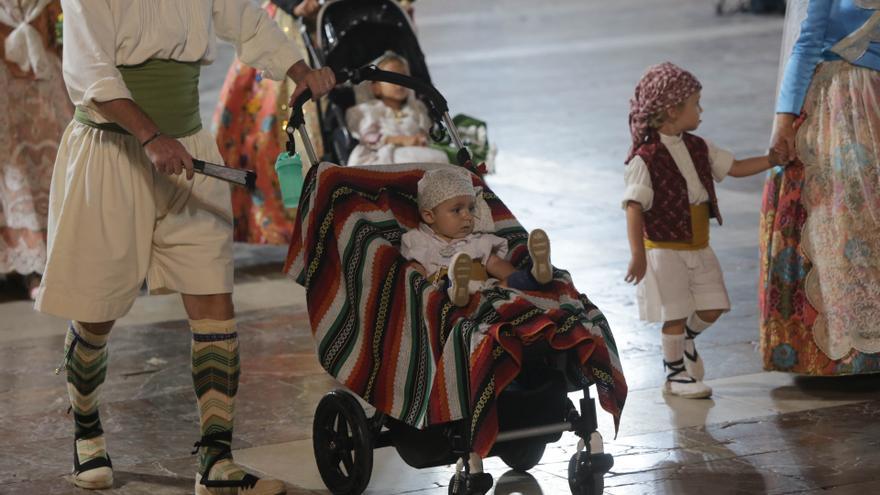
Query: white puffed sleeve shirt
x: 100, y: 35
x: 638, y: 178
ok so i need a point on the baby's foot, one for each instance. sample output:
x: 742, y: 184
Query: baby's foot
x: 539, y: 251
x: 459, y: 274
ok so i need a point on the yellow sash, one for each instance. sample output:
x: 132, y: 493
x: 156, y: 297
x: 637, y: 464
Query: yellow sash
x: 699, y: 229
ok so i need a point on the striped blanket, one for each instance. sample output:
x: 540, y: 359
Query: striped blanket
x: 395, y: 340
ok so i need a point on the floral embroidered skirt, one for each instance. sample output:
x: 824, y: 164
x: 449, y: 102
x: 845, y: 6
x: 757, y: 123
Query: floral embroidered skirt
x: 820, y: 233
x: 249, y: 124
x: 33, y: 117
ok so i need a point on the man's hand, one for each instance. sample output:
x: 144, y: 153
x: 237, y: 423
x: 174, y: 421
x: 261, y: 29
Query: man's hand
x: 319, y: 81
x: 169, y: 156
x: 164, y: 152
x: 307, y: 9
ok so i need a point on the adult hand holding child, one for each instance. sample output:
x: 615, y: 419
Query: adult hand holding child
x: 782, y: 141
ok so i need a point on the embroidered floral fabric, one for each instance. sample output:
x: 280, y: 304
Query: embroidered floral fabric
x: 249, y: 124
x: 34, y: 116
x: 820, y: 235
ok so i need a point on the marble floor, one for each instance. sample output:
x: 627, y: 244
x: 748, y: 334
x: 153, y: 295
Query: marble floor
x: 553, y: 79
x: 760, y: 433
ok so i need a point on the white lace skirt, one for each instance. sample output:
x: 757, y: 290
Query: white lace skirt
x: 839, y: 145
x: 33, y: 115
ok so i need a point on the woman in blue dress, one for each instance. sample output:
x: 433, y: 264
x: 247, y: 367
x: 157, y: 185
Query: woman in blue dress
x: 820, y: 233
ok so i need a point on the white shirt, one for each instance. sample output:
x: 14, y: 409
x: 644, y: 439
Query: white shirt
x: 434, y: 252
x: 372, y: 121
x: 102, y: 34
x: 24, y: 46
x: 638, y: 178
x: 369, y: 122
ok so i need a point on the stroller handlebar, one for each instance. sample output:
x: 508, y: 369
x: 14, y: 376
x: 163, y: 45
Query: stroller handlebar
x: 437, y: 103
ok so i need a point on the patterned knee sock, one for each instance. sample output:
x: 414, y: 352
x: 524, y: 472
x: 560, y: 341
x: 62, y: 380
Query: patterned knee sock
x: 86, y: 363
x: 215, y: 371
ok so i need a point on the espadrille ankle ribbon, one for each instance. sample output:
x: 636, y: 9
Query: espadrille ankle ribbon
x: 221, y: 441
x: 676, y: 368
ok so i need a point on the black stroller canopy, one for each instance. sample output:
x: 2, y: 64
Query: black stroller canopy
x: 354, y: 33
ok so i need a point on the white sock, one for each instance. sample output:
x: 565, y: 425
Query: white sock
x: 673, y: 347
x: 697, y: 324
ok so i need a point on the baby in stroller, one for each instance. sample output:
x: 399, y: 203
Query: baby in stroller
x: 449, y: 384
x: 449, y: 243
x: 392, y: 128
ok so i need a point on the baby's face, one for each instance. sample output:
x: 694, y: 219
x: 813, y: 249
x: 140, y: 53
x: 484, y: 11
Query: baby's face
x: 453, y: 218
x: 388, y: 90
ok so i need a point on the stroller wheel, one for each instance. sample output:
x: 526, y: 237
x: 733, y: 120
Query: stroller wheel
x: 522, y: 456
x: 342, y: 443
x: 585, y: 473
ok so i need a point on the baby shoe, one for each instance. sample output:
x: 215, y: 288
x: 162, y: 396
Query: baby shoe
x: 539, y: 251
x: 459, y: 274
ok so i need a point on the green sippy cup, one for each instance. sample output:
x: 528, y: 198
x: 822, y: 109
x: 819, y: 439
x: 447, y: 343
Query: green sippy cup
x: 289, y: 170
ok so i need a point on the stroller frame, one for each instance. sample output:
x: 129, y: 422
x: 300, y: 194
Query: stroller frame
x: 350, y: 34
x: 344, y: 438
x: 437, y: 108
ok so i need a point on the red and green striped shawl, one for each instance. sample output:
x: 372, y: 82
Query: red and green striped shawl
x: 389, y: 336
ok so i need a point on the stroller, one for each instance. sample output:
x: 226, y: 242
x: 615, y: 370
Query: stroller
x: 353, y: 33
x: 431, y: 369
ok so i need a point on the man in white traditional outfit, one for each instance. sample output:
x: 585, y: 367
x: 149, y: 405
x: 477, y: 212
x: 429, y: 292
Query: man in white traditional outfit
x: 125, y: 206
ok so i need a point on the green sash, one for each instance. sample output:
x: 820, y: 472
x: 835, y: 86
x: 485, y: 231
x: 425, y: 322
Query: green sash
x: 166, y: 90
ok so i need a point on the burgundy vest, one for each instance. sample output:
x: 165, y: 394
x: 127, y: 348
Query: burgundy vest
x: 669, y: 219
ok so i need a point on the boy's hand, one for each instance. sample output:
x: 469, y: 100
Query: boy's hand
x: 636, y: 271
x: 775, y: 158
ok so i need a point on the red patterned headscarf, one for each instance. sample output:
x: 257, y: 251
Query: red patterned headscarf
x: 663, y: 86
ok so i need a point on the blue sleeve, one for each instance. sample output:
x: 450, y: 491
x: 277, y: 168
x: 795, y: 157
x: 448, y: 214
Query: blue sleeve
x: 805, y: 56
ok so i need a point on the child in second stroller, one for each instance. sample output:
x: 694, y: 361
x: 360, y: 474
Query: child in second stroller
x: 394, y: 127
x: 449, y: 242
